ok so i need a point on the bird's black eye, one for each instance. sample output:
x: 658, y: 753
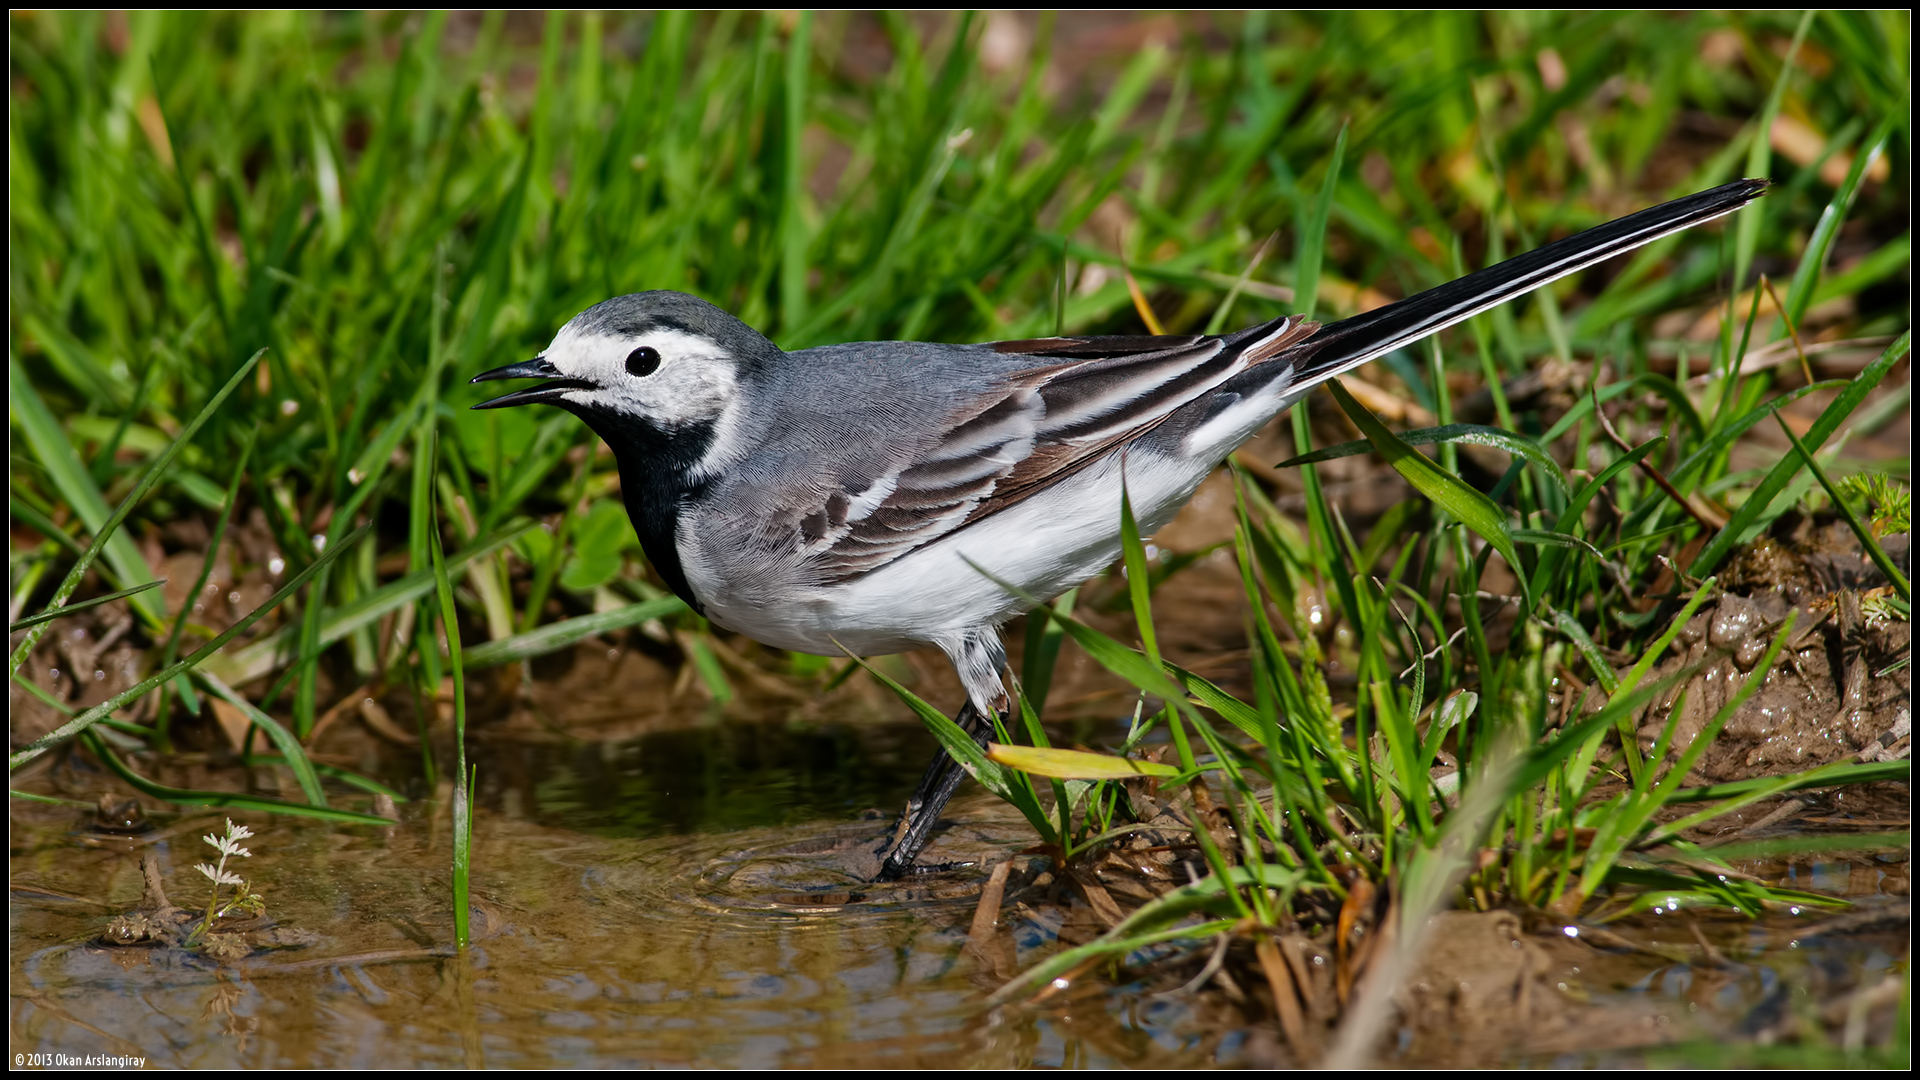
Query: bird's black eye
x: 643, y: 361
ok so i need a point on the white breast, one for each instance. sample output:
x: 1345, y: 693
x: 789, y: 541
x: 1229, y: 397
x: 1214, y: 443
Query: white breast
x: 1042, y: 546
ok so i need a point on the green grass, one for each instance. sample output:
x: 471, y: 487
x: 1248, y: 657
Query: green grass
x: 389, y: 204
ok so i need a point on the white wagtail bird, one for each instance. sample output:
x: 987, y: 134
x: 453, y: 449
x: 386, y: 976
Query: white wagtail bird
x: 867, y: 496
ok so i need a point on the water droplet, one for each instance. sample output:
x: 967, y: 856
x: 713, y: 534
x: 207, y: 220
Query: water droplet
x: 98, y: 675
x: 53, y: 673
x: 288, y: 407
x: 1570, y: 931
x: 1061, y: 984
x: 275, y: 564
x: 319, y: 543
x: 354, y: 476
x: 233, y: 597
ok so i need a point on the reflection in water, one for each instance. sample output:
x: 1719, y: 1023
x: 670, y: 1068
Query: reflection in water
x: 716, y: 778
x: 690, y: 899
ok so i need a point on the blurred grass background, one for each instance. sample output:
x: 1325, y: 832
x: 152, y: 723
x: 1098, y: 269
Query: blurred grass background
x: 390, y: 203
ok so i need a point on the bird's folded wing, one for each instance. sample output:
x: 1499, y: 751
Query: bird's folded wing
x: 1043, y: 425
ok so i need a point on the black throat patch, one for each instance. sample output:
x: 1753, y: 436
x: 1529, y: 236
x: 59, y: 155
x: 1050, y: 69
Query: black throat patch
x: 655, y: 480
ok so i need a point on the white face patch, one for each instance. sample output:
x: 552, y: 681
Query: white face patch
x: 695, y: 381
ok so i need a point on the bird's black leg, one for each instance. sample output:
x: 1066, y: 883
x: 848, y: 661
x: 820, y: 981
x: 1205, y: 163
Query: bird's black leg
x: 915, y: 827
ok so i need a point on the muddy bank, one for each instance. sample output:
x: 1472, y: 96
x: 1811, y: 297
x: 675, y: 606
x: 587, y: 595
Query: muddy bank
x: 1842, y: 686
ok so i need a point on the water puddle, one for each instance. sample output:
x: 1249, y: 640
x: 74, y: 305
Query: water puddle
x: 698, y: 898
x: 663, y: 902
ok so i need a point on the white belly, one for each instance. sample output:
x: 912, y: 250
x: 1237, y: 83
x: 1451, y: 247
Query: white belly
x: 1042, y: 547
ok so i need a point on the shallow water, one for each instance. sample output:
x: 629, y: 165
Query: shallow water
x: 634, y: 938
x: 694, y: 898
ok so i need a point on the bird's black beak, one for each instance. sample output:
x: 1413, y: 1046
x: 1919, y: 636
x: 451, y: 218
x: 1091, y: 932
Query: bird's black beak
x: 536, y: 368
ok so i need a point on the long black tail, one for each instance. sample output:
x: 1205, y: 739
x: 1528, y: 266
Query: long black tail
x: 1352, y: 342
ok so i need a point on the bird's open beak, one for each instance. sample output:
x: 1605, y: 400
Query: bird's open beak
x: 536, y: 368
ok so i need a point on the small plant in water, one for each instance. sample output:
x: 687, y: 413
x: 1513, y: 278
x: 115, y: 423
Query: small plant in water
x: 244, y: 899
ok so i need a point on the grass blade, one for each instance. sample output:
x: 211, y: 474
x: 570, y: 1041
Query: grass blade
x: 1725, y: 435
x: 1449, y: 492
x: 55, y: 613
x: 289, y: 746
x: 1313, y: 234
x: 1142, y: 927
x: 1230, y: 708
x: 100, y: 712
x: 238, y: 800
x: 172, y: 649
x: 1760, y: 155
x: 1842, y: 772
x: 1139, y: 581
x: 78, y: 488
x: 1867, y: 542
x: 1829, y: 421
x: 462, y: 781
x: 1500, y: 439
x: 1622, y: 827
x: 262, y: 656
x: 1814, y: 259
x: 1074, y: 764
x: 559, y: 635
x: 1043, y: 640
x: 960, y: 745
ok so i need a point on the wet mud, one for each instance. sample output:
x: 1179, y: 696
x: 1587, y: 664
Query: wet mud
x: 1839, y: 690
